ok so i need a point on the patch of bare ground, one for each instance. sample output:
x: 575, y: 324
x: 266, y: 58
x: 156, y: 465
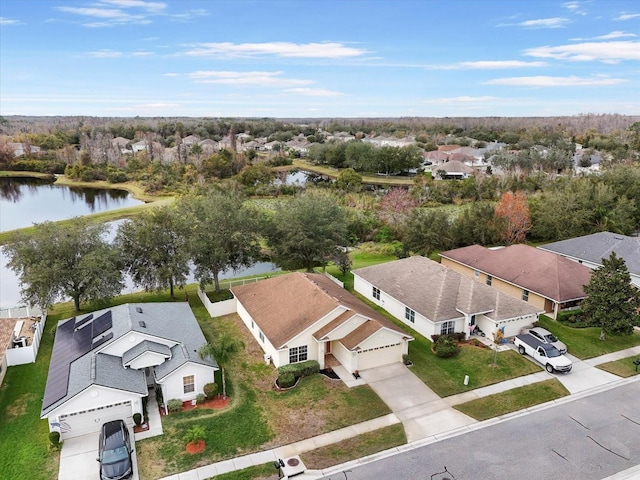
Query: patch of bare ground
x: 149, y: 461
x: 19, y: 407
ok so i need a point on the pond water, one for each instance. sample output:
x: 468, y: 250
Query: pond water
x: 299, y: 178
x: 24, y: 202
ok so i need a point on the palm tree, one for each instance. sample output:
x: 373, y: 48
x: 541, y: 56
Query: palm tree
x: 221, y: 351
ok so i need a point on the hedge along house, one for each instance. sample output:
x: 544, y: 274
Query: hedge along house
x: 307, y: 316
x: 434, y: 300
x: 543, y: 279
x: 104, y: 363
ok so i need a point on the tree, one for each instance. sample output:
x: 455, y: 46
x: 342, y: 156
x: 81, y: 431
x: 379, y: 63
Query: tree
x: 427, y: 230
x: 153, y: 247
x: 221, y: 351
x: 66, y: 259
x: 349, y: 181
x: 306, y: 231
x: 612, y: 302
x: 395, y: 206
x: 514, y: 210
x: 222, y: 234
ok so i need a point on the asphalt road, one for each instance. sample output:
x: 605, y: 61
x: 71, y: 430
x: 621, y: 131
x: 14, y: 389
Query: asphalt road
x: 586, y: 439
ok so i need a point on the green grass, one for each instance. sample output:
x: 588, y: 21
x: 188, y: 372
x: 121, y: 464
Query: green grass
x: 513, y: 400
x: 250, y: 473
x: 585, y: 342
x: 623, y: 367
x: 355, y: 447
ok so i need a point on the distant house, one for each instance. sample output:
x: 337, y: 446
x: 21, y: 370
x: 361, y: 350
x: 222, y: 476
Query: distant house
x: 433, y: 299
x: 589, y: 250
x: 390, y: 141
x: 22, y: 149
x: 104, y: 363
x: 454, y: 169
x: 307, y: 316
x: 543, y: 279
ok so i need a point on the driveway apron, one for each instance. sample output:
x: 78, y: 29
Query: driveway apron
x: 420, y: 410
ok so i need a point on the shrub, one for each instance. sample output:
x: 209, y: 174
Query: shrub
x: 195, y: 434
x: 200, y: 398
x: 300, y: 369
x: 286, y: 380
x: 174, y: 405
x: 137, y: 418
x: 210, y: 389
x: 54, y: 438
x: 446, y: 347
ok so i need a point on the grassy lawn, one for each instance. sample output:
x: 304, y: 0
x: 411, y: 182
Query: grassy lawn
x: 355, y: 447
x: 623, y: 367
x: 513, y: 400
x: 585, y: 342
x: 266, y: 470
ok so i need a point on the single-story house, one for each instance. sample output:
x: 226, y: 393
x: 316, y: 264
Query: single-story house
x: 104, y: 363
x: 433, y: 299
x: 307, y: 316
x: 589, y: 250
x: 454, y: 169
x: 543, y: 279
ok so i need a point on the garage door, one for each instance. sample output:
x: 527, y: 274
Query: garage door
x: 380, y: 356
x: 88, y: 421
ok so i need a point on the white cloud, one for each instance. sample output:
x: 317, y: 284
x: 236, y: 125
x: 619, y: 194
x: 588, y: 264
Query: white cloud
x: 627, y: 16
x: 608, y: 52
x: 463, y: 100
x: 574, y: 7
x: 105, y: 54
x: 547, y: 81
x: 489, y: 65
x: 8, y: 21
x: 171, y: 74
x: 280, y: 49
x: 142, y: 54
x: 555, y: 22
x: 108, y: 16
x: 313, y: 92
x: 609, y: 36
x: 152, y: 6
x: 189, y: 15
x: 264, y: 79
x: 158, y: 105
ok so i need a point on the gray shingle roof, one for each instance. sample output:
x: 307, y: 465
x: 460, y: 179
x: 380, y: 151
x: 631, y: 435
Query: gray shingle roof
x: 593, y: 248
x: 142, y: 347
x: 172, y: 321
x: 440, y: 294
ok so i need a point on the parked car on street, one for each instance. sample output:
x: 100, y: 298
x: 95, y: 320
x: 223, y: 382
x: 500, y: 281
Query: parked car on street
x: 114, y: 451
x: 544, y: 353
x: 545, y: 336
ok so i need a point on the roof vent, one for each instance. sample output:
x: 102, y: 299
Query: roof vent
x: 139, y: 309
x: 142, y: 324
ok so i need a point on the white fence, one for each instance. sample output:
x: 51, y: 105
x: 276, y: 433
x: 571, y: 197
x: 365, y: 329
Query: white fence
x: 29, y: 353
x: 217, y: 309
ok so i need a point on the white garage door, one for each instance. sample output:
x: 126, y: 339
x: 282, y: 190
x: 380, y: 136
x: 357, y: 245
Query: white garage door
x: 379, y: 357
x: 88, y: 421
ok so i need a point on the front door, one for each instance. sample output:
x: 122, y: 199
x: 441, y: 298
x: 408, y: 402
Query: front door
x: 327, y: 347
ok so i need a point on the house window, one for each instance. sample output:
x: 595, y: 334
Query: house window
x: 525, y: 295
x: 489, y: 279
x: 297, y: 354
x: 447, y: 328
x: 476, y: 273
x: 189, y: 384
x: 261, y: 335
x: 409, y: 314
x: 376, y: 293
x: 252, y: 325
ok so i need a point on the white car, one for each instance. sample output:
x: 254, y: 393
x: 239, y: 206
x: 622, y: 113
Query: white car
x: 545, y: 336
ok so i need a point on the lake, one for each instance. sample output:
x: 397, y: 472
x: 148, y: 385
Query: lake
x: 24, y: 201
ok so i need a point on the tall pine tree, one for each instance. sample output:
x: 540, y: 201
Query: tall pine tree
x: 612, y: 301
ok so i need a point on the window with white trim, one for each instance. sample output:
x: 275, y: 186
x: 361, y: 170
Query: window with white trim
x: 261, y: 335
x: 525, y: 295
x: 298, y: 354
x: 409, y: 314
x: 447, y: 328
x: 189, y: 384
x: 489, y: 279
x: 376, y: 293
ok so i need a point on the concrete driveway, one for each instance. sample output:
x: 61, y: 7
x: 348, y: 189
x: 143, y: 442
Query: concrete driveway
x: 583, y: 376
x: 421, y: 411
x: 78, y: 458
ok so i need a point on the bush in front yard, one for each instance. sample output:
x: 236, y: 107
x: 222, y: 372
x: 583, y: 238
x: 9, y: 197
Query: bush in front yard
x: 174, y: 405
x: 54, y: 438
x: 137, y: 418
x: 200, y: 398
x: 446, y: 347
x: 286, y: 380
x: 210, y: 389
x: 300, y: 369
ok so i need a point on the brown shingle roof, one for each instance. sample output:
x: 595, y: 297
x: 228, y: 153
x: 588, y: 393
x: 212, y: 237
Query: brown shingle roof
x: 360, y: 334
x: 544, y: 273
x: 286, y: 305
x: 440, y: 294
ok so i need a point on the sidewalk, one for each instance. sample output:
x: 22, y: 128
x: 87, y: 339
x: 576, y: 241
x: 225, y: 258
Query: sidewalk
x: 440, y: 406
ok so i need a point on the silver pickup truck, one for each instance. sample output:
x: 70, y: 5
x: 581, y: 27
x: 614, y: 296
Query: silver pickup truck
x: 544, y: 353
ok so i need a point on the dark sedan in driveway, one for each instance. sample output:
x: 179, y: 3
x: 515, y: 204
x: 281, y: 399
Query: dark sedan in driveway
x: 114, y: 451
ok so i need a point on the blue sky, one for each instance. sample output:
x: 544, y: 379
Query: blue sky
x: 323, y: 58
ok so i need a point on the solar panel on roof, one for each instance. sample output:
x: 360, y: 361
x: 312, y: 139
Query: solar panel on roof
x: 101, y: 324
x: 82, y: 321
x: 102, y: 340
